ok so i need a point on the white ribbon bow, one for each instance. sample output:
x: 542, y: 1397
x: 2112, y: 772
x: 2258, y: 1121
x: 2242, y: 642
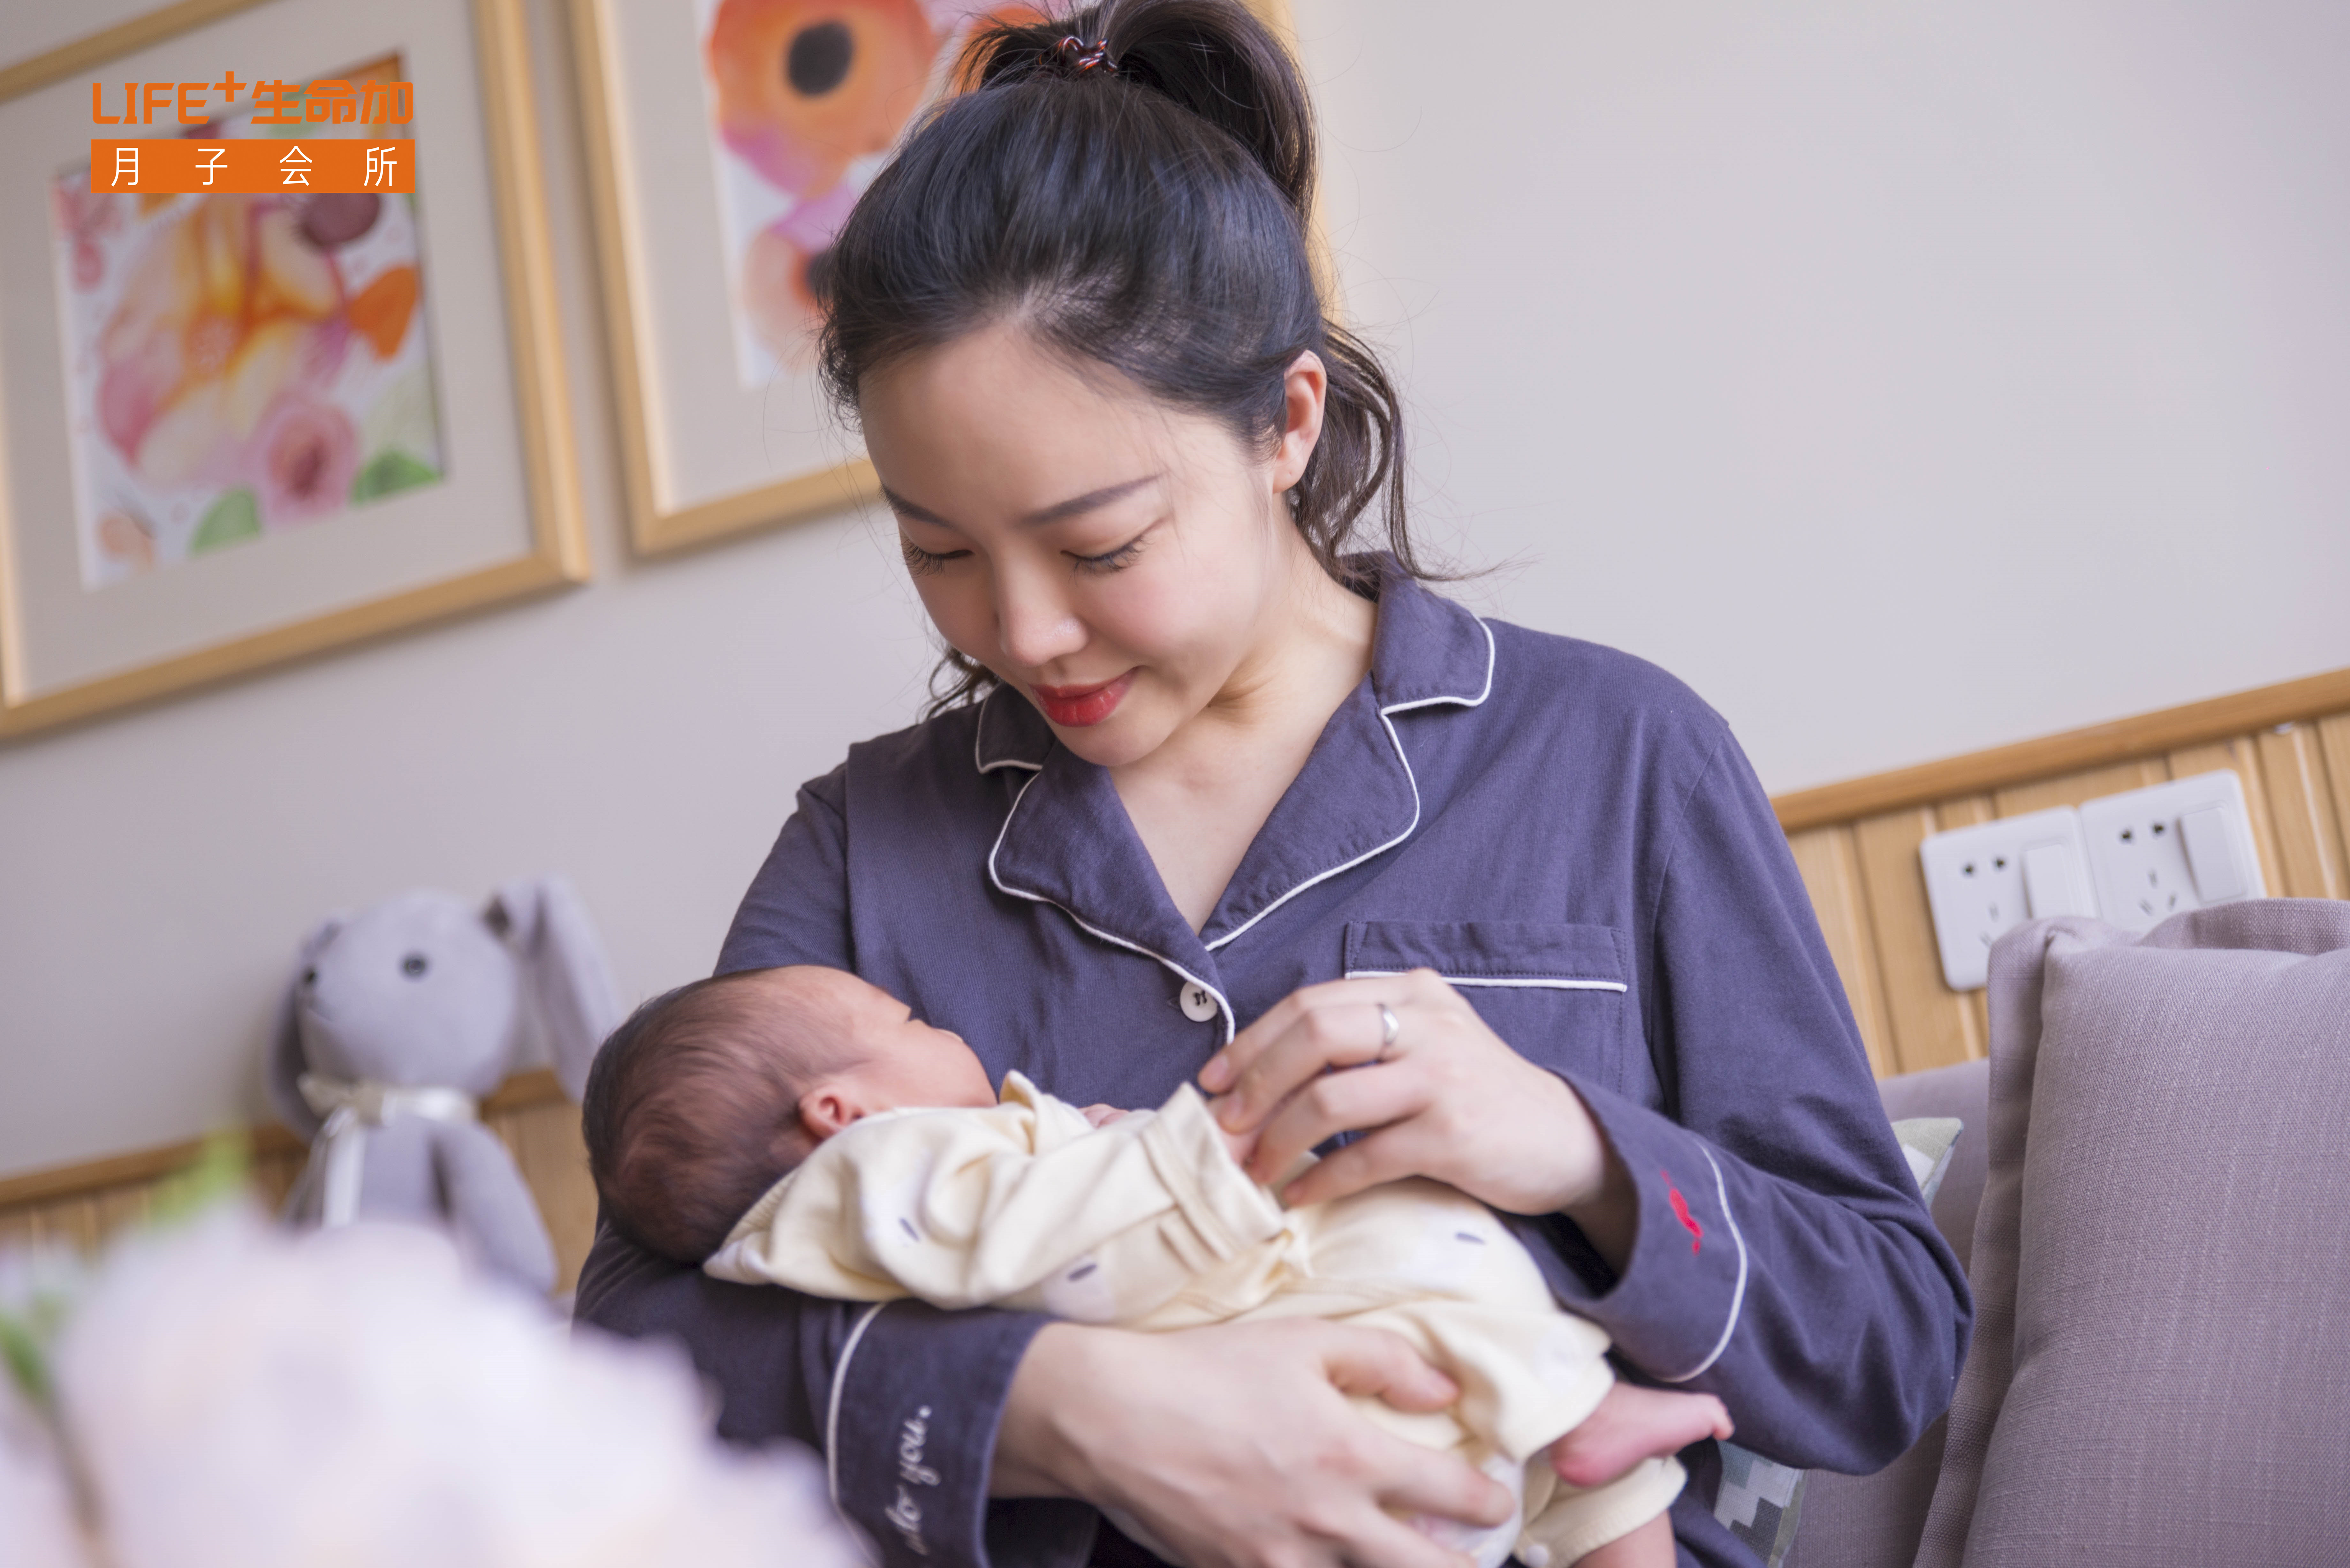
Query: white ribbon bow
x: 340, y: 1151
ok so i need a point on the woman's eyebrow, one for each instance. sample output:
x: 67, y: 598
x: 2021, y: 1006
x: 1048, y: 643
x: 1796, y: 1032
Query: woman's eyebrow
x: 920, y: 513
x: 1052, y: 513
x: 1090, y: 499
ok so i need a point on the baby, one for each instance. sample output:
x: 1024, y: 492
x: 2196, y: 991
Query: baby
x: 798, y: 1126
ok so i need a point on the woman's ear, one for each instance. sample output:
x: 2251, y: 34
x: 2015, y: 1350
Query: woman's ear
x: 1305, y: 388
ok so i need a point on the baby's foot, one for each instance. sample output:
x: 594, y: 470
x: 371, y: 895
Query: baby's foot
x: 1633, y: 1423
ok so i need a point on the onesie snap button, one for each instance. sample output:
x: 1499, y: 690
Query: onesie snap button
x: 1199, y: 1004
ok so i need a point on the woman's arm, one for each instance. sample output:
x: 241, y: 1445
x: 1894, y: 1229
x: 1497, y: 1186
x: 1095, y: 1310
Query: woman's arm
x: 903, y: 1400
x: 1764, y: 1242
x: 1806, y: 1284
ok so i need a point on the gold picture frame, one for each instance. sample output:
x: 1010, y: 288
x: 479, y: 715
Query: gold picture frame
x: 519, y: 496
x: 662, y: 516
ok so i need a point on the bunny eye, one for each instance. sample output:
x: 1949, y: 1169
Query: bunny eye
x: 310, y: 976
x: 414, y: 964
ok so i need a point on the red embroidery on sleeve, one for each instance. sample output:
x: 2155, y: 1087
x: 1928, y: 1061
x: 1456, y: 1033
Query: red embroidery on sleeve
x: 1681, y: 1211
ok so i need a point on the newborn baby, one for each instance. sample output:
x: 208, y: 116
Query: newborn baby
x: 798, y: 1126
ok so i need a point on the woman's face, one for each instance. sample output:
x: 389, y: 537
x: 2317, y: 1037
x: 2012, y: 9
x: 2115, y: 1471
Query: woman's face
x: 1121, y: 563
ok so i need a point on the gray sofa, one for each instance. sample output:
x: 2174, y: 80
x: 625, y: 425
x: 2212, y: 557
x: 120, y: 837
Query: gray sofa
x: 2152, y: 1201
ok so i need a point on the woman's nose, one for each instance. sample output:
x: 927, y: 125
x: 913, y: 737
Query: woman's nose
x: 1035, y: 626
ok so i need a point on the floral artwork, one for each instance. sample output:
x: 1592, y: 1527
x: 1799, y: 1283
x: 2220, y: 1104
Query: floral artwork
x: 236, y: 365
x: 806, y: 97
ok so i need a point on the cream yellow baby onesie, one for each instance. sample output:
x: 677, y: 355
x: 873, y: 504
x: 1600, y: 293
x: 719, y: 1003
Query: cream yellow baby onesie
x: 1149, y: 1224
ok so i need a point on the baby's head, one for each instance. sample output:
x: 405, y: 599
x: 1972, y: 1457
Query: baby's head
x: 710, y: 1095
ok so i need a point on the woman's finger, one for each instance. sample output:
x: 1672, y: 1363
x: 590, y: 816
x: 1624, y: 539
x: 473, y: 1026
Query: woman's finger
x: 1454, y: 1489
x: 1388, y: 1155
x: 1344, y: 1032
x: 1376, y: 1365
x: 1381, y: 1538
x: 1333, y: 1103
x: 1224, y: 1068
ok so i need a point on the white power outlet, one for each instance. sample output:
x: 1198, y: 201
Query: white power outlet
x: 1983, y: 881
x: 2159, y: 851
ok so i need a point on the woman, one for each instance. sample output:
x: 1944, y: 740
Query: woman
x: 1219, y: 798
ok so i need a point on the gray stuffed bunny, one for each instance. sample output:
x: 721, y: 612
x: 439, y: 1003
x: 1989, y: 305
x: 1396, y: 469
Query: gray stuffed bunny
x: 398, y: 1021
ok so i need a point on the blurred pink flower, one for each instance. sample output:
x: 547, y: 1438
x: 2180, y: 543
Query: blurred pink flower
x: 309, y: 453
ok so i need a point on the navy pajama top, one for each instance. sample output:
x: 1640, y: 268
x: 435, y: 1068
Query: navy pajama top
x: 1568, y: 834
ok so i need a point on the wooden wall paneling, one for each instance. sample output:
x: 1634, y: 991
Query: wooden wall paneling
x: 68, y: 1221
x: 118, y: 1207
x: 2302, y: 810
x: 1826, y: 860
x: 2071, y: 789
x: 1965, y: 811
x: 554, y: 1160
x: 273, y: 1177
x: 1925, y: 1020
x: 2240, y: 753
x: 2334, y: 744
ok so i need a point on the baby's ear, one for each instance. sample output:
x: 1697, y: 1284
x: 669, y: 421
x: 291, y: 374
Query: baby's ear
x: 828, y: 1108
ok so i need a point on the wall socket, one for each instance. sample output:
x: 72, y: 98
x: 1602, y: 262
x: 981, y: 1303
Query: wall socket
x: 2156, y: 852
x: 1985, y: 880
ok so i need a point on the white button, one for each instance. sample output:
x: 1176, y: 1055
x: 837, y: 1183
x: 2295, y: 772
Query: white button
x: 1199, y: 1002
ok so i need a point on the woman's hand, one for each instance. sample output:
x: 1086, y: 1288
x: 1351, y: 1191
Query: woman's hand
x: 1235, y: 1444
x: 1445, y: 1098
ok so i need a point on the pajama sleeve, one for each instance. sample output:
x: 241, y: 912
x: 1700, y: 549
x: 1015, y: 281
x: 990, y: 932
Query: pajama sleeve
x: 974, y: 1207
x: 1782, y: 1259
x: 902, y: 1399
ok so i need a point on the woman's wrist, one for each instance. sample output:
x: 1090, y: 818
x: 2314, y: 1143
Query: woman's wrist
x: 1035, y: 1454
x: 1605, y: 1203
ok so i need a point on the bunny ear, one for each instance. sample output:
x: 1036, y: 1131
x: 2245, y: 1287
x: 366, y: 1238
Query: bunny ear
x: 286, y: 1062
x: 564, y: 976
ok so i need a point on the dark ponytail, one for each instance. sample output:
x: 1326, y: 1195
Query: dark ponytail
x: 1132, y: 183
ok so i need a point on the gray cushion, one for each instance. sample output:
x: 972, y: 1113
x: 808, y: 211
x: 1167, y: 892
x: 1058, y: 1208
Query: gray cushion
x: 1875, y: 1521
x: 2161, y: 1363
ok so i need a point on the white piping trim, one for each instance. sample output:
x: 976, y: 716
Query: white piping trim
x: 1413, y: 779
x: 1738, y: 1291
x: 979, y: 732
x: 832, y: 1414
x: 1488, y: 980
x: 1222, y: 1001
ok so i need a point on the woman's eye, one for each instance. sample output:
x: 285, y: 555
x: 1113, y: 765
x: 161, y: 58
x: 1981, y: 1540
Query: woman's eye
x: 919, y: 561
x: 1111, y: 560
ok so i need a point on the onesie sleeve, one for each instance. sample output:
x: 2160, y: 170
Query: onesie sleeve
x: 903, y: 1400
x: 1782, y: 1259
x: 971, y: 1208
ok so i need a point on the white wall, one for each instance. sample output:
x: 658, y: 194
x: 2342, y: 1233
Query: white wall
x: 1908, y: 378
x: 1756, y: 340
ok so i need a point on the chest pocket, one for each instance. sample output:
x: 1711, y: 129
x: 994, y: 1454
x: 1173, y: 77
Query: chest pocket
x: 1558, y: 994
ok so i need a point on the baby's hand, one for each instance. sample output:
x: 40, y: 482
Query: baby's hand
x: 1102, y: 1116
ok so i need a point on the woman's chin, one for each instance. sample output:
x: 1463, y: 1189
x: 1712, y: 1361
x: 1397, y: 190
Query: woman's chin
x: 1113, y: 742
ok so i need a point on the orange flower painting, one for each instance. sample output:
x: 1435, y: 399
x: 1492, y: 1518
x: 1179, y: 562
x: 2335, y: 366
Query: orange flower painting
x: 237, y: 367
x: 806, y: 98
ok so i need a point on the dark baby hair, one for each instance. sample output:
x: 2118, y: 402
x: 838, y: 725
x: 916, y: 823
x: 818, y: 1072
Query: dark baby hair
x: 689, y: 1117
x: 1138, y: 198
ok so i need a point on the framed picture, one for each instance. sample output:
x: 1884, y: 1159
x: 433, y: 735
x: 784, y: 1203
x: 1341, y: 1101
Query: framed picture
x: 727, y: 142
x: 236, y: 430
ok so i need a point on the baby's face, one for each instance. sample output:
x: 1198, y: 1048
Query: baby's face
x: 905, y: 1063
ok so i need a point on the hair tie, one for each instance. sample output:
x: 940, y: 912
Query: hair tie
x: 1077, y: 58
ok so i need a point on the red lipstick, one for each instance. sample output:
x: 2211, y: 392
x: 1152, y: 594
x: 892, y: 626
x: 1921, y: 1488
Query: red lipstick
x: 1075, y: 707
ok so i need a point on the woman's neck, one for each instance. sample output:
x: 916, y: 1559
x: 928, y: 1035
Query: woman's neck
x: 1200, y: 798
